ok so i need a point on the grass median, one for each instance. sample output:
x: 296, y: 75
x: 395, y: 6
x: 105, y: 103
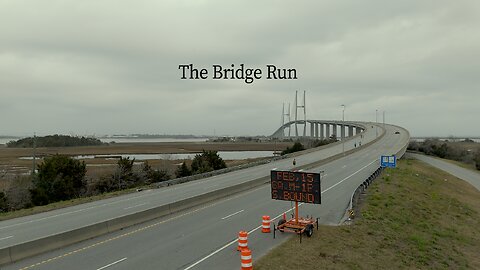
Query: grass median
x: 413, y: 217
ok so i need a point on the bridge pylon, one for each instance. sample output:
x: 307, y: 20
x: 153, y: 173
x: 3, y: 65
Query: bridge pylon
x: 297, y: 106
x: 286, y: 117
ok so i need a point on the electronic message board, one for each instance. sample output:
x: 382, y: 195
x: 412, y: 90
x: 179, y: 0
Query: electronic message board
x: 296, y: 186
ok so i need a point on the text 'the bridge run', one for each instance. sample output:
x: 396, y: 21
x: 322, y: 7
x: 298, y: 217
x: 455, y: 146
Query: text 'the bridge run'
x: 248, y: 75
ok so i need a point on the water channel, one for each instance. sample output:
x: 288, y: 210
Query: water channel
x: 226, y: 155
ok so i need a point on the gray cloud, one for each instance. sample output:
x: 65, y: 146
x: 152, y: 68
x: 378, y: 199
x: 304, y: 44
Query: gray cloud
x: 95, y: 67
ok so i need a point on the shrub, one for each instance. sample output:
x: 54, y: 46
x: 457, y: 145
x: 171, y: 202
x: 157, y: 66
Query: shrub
x: 59, y: 178
x: 477, y: 160
x: 183, y: 171
x: 295, y: 148
x: 207, y: 161
x: 154, y: 176
x: 3, y: 202
x: 124, y: 176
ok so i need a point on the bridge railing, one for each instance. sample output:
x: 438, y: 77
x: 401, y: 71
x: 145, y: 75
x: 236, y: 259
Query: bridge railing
x: 320, y: 129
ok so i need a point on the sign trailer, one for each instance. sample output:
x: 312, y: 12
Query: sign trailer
x: 296, y: 186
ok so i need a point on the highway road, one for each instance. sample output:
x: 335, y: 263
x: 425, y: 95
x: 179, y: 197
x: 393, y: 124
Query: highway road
x: 204, y: 237
x: 468, y: 175
x: 25, y: 229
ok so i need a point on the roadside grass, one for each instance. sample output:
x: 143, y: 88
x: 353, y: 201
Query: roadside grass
x: 413, y: 217
x: 460, y: 164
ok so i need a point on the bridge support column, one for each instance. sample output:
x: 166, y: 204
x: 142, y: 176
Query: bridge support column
x: 359, y: 129
x: 342, y: 131
x: 327, y: 134
x: 321, y: 131
x: 350, y: 131
x: 335, y: 129
x: 316, y: 130
x: 312, y: 132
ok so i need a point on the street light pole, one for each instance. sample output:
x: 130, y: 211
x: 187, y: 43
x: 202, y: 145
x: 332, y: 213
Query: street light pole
x: 384, y: 119
x: 376, y: 122
x: 34, y: 153
x: 343, y: 129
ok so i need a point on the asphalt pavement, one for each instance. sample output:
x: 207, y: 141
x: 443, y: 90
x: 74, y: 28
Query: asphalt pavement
x: 205, y: 237
x: 470, y: 176
x: 25, y: 229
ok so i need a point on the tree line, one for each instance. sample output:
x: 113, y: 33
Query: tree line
x: 448, y: 150
x: 298, y: 146
x: 55, y: 141
x: 207, y: 161
x: 61, y: 178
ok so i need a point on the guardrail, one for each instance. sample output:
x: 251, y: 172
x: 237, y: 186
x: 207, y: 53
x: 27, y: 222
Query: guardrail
x: 350, y: 213
x: 359, y: 190
x: 217, y: 172
x: 261, y: 162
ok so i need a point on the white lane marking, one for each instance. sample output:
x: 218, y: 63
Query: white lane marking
x: 5, y: 238
x: 130, y: 207
x: 211, y: 254
x: 344, y: 166
x: 110, y: 264
x: 77, y: 211
x: 238, y: 212
x: 254, y: 229
x: 233, y: 242
x: 210, y: 187
x: 143, y: 228
x: 349, y: 176
x: 44, y: 218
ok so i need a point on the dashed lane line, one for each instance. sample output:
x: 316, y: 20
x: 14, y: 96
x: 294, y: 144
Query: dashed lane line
x: 134, y: 231
x: 138, y: 205
x: 281, y: 214
x: 113, y: 263
x: 231, y: 215
x: 5, y: 238
x: 177, y: 217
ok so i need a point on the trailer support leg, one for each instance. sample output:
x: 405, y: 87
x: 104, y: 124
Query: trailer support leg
x: 296, y: 211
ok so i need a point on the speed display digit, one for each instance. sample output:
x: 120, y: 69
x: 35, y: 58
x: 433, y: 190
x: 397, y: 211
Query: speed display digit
x: 296, y: 186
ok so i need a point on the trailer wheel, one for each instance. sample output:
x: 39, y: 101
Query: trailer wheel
x: 309, y: 230
x: 281, y: 222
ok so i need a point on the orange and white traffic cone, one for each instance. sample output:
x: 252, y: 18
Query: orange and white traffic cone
x: 246, y: 257
x: 242, y: 240
x: 265, y: 224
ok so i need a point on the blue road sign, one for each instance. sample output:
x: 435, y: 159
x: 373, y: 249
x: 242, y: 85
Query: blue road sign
x: 388, y: 161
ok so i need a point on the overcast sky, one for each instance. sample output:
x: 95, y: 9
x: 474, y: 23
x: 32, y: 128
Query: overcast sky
x: 111, y: 67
